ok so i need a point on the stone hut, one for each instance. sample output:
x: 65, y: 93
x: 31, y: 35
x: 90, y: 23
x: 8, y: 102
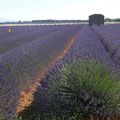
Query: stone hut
x: 96, y: 19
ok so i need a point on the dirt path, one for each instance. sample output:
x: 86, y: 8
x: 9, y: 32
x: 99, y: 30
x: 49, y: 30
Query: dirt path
x: 26, y: 97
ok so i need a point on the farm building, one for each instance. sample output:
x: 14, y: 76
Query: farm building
x: 96, y: 19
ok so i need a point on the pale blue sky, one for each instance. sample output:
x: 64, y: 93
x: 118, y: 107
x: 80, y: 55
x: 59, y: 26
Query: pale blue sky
x: 57, y: 9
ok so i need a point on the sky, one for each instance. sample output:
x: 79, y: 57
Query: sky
x: 26, y: 10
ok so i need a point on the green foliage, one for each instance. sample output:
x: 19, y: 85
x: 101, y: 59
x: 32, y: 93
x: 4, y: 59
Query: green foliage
x: 85, y: 88
x: 81, y: 89
x: 1, y: 116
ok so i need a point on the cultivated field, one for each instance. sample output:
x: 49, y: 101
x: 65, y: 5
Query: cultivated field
x: 71, y: 69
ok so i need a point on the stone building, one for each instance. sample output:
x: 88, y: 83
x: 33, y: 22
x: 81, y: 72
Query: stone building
x: 96, y: 19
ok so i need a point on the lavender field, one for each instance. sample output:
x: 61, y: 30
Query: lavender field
x: 28, y: 50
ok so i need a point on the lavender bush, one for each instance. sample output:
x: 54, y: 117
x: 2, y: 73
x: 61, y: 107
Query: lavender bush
x: 84, y: 88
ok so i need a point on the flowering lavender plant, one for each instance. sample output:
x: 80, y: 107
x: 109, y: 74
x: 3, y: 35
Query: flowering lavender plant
x: 84, y: 88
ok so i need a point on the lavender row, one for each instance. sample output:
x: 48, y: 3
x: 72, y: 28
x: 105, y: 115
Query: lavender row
x: 88, y: 45
x: 4, y: 30
x: 20, y: 39
x: 17, y: 30
x: 19, y: 65
x: 111, y: 39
